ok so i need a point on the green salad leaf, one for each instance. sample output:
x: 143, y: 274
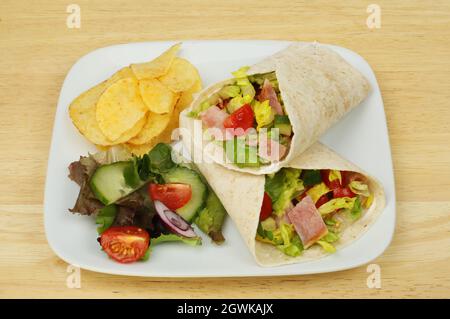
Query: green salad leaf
x: 210, y: 218
x: 311, y: 177
x: 160, y: 158
x: 105, y: 217
x: 195, y: 241
x: 151, y: 165
x: 282, y: 187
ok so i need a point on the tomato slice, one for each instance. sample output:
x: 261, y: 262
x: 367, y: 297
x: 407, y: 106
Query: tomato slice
x: 322, y: 200
x: 243, y: 118
x: 266, y: 208
x: 125, y: 244
x: 325, y: 173
x: 343, y: 192
x: 174, y: 195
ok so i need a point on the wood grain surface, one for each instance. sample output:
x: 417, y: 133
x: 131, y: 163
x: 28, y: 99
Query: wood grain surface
x: 410, y: 55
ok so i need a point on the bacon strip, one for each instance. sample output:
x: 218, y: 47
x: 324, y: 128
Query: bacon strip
x: 213, y: 117
x: 268, y: 93
x: 307, y: 221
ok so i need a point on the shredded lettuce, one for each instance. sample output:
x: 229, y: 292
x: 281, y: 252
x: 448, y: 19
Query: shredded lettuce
x: 241, y: 72
x: 327, y: 246
x: 269, y: 224
x: 264, y: 114
x: 335, y: 175
x: 330, y: 237
x: 248, y: 91
x: 317, y: 191
x: 282, y: 187
x: 356, y: 210
x: 288, y: 240
x: 229, y: 91
x: 337, y: 203
x: 294, y: 249
x: 237, y: 102
x: 368, y: 201
x: 330, y: 221
x: 359, y: 188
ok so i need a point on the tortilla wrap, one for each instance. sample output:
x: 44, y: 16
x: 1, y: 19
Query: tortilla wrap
x: 318, y: 87
x: 242, y: 194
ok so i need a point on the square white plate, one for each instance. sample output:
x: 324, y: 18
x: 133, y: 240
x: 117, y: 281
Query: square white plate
x: 361, y: 136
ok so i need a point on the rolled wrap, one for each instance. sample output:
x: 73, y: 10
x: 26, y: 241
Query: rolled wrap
x: 318, y: 87
x: 242, y: 195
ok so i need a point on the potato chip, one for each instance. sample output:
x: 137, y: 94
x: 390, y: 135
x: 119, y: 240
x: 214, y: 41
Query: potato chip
x: 155, y: 124
x: 119, y: 108
x: 181, y: 76
x: 158, y: 97
x: 82, y: 110
x: 186, y: 97
x: 132, y: 132
x: 164, y: 137
x: 123, y: 73
x: 140, y: 149
x: 157, y: 67
x: 82, y: 113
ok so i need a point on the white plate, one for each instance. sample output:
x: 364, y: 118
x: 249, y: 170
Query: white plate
x: 361, y: 137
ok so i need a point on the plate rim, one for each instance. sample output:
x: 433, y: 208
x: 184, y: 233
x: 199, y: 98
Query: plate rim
x: 264, y: 273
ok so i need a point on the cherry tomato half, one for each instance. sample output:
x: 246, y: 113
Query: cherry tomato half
x: 173, y: 195
x: 343, y: 192
x: 266, y: 208
x: 242, y: 118
x: 125, y: 244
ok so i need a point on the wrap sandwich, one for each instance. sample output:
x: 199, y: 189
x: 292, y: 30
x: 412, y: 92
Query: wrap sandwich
x: 317, y: 204
x: 277, y: 108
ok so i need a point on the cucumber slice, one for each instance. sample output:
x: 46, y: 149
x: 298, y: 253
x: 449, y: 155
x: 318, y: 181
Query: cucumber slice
x: 185, y: 175
x: 108, y: 183
x: 282, y: 123
x: 285, y: 129
x: 281, y: 119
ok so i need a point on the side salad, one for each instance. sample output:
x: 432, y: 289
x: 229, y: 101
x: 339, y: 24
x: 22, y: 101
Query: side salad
x: 248, y: 115
x: 140, y: 202
x: 302, y: 208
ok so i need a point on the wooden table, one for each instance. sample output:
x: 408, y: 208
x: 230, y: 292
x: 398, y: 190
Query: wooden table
x: 410, y: 54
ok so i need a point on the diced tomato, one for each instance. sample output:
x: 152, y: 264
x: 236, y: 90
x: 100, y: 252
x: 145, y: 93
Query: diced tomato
x: 173, y: 195
x: 325, y: 173
x: 125, y: 244
x: 343, y: 192
x: 322, y: 200
x: 243, y: 118
x: 266, y: 208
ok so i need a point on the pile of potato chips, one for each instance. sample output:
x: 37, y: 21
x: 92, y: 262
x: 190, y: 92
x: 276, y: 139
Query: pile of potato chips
x: 139, y: 105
